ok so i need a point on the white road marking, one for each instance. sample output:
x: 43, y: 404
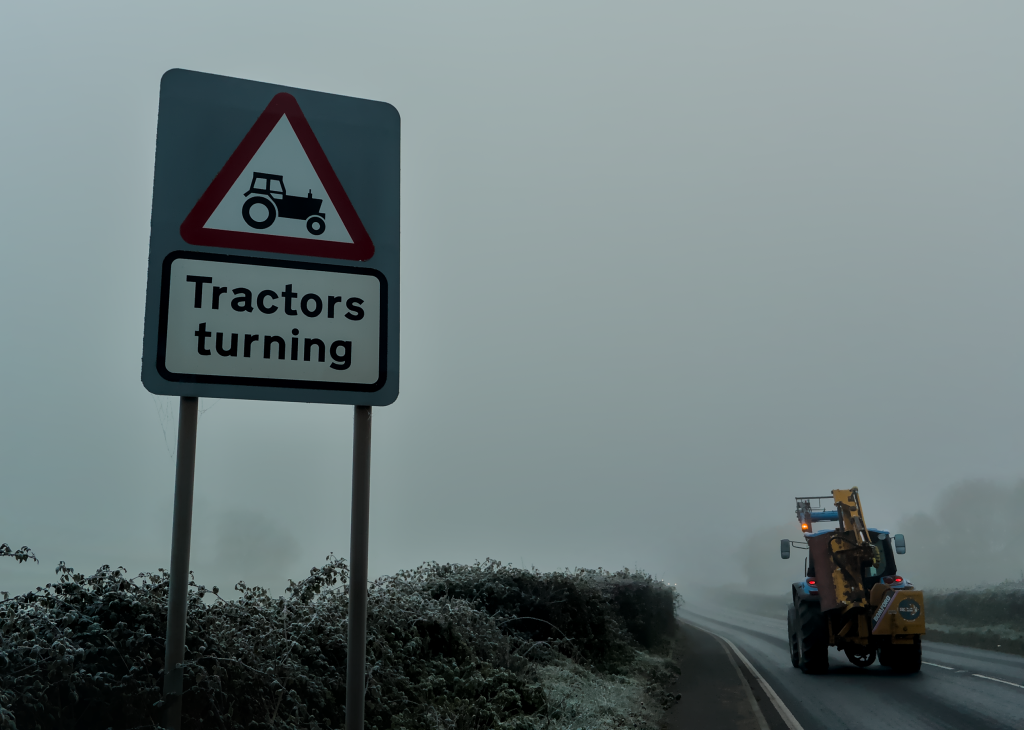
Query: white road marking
x: 784, y: 713
x: 980, y: 676
x: 762, y: 724
x: 993, y: 679
x: 787, y: 716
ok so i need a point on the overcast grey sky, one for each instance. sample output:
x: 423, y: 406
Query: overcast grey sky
x: 665, y: 266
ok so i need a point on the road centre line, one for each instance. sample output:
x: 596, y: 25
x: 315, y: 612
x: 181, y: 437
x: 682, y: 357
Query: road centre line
x: 990, y: 679
x: 1001, y: 681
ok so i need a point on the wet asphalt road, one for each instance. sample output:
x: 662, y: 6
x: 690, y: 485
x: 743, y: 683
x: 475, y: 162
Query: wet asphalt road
x: 947, y: 693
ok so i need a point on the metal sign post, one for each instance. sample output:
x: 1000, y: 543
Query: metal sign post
x: 273, y: 275
x: 355, y: 683
x: 181, y: 540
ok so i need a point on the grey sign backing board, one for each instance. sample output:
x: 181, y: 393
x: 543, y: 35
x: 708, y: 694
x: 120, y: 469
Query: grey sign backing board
x: 274, y: 249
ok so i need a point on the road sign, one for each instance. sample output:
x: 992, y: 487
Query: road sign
x: 247, y: 207
x: 274, y: 250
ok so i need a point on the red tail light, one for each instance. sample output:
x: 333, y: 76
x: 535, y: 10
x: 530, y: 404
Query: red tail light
x: 897, y: 579
x: 890, y: 579
x: 812, y: 582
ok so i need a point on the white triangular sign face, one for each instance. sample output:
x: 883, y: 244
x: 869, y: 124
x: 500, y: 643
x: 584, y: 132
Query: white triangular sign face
x: 284, y: 189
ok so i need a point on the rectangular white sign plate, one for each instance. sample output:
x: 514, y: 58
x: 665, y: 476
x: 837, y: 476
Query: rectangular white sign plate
x: 249, y: 321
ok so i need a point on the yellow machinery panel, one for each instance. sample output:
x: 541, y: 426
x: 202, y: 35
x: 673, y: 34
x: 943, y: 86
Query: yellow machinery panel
x: 901, y: 614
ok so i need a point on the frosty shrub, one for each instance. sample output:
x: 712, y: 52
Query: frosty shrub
x: 448, y: 647
x: 22, y: 554
x: 982, y: 606
x: 986, y: 617
x: 593, y: 615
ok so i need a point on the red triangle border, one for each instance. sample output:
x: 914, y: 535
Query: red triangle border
x: 192, y: 230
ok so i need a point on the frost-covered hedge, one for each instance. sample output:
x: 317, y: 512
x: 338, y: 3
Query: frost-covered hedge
x: 987, y: 617
x: 982, y: 606
x: 449, y: 646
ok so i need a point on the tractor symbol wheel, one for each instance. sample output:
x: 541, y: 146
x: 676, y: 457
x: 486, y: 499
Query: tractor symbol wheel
x: 315, y: 225
x: 262, y: 219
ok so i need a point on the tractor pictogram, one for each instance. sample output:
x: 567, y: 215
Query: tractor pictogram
x: 270, y: 201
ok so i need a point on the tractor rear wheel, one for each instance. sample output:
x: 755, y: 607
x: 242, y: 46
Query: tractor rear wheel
x: 903, y: 658
x: 315, y: 225
x: 812, y: 638
x: 258, y: 224
x: 794, y: 636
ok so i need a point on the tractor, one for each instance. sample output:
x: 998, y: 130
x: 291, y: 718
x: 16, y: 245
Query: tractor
x: 270, y: 200
x: 851, y: 596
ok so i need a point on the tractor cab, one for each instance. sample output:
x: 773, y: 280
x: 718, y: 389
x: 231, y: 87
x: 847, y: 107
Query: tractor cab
x: 266, y: 184
x: 884, y: 564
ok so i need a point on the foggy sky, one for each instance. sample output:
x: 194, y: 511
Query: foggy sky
x: 664, y: 268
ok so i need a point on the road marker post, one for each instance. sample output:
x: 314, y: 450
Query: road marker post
x: 255, y: 292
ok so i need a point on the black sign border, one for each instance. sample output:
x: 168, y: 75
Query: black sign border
x: 161, y: 351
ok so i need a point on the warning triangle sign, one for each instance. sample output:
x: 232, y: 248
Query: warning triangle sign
x: 278, y: 193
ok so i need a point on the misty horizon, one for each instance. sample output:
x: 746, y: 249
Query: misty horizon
x: 663, y: 269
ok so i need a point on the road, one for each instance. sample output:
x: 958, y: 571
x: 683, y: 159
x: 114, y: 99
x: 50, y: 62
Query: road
x: 958, y: 687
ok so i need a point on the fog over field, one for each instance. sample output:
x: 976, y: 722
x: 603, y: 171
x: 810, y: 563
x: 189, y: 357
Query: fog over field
x: 664, y: 268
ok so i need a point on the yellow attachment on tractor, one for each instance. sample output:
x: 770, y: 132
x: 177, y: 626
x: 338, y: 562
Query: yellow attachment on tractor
x: 852, y: 598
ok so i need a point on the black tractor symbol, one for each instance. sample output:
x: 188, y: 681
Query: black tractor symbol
x: 270, y: 201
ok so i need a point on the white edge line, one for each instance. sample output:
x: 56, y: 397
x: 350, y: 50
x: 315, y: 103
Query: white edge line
x: 940, y: 666
x: 784, y: 713
x: 993, y: 679
x: 787, y: 716
x: 762, y: 724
